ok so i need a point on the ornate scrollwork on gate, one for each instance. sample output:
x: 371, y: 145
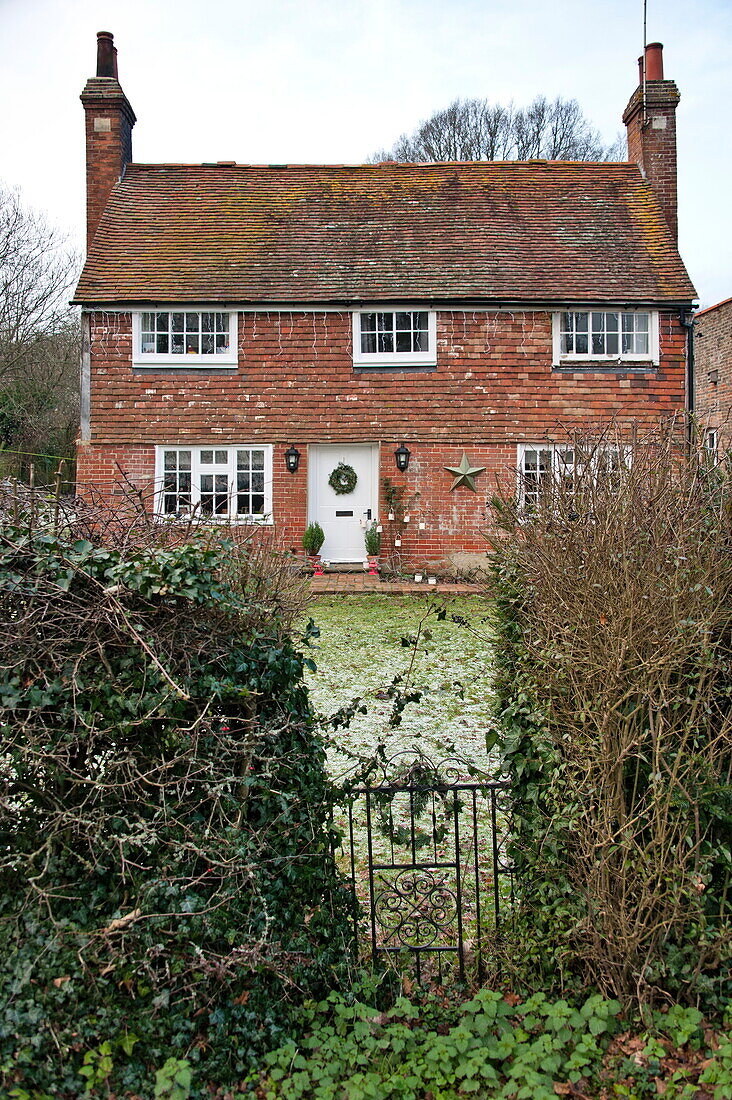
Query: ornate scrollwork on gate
x: 437, y: 871
x: 415, y: 908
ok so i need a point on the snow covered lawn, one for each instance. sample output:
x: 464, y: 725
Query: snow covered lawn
x: 360, y: 651
x: 358, y: 655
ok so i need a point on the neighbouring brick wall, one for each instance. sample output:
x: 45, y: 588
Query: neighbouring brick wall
x: 493, y: 388
x: 713, y: 371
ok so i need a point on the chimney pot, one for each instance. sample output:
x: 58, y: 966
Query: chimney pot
x: 654, y: 61
x: 105, y: 54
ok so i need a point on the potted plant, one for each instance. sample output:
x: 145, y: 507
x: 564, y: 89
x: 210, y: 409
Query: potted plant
x: 312, y: 540
x: 372, y: 538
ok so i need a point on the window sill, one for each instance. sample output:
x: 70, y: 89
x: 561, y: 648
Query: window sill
x: 185, y: 362
x: 391, y: 368
x: 184, y: 368
x: 212, y: 521
x: 400, y: 359
x: 609, y: 366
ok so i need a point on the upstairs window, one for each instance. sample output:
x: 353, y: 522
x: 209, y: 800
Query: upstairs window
x: 401, y: 337
x: 184, y: 338
x: 605, y: 336
x: 218, y: 483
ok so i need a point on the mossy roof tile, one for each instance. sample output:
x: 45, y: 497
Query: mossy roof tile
x: 495, y: 232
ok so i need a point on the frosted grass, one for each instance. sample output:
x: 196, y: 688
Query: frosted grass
x: 359, y: 653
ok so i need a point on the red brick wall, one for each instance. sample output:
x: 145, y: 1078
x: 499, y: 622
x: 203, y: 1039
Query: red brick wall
x: 493, y: 387
x: 713, y: 371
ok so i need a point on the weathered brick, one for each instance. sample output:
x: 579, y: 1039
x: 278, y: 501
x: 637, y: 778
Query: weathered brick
x: 713, y: 371
x: 438, y: 414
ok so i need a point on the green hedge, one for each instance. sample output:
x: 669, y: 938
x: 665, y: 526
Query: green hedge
x: 167, y: 887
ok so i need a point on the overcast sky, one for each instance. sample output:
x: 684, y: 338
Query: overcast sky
x: 334, y: 80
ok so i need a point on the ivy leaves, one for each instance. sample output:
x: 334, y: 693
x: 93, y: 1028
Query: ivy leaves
x: 164, y: 817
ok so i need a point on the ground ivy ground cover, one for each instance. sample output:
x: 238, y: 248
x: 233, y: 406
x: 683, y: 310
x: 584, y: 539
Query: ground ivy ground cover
x: 366, y: 641
x: 497, y: 1046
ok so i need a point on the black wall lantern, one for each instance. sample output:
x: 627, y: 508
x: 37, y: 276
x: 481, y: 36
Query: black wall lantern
x: 401, y: 454
x: 292, y: 459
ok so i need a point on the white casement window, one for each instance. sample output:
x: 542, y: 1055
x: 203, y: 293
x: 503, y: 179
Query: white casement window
x: 542, y: 464
x: 219, y: 483
x: 184, y: 338
x: 605, y: 336
x: 394, y: 337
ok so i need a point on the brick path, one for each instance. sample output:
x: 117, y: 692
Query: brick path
x: 362, y: 584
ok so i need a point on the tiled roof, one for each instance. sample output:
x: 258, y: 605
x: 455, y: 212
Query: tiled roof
x: 547, y: 231
x: 717, y: 305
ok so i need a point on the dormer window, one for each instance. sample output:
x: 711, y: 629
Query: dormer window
x: 605, y: 336
x: 185, y: 338
x: 394, y: 337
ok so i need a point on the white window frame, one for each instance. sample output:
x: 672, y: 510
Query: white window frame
x: 558, y: 465
x: 562, y: 359
x: 184, y: 361
x: 196, y: 470
x: 395, y: 358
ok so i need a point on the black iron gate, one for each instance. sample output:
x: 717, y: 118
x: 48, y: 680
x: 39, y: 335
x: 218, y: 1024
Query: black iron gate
x: 428, y: 863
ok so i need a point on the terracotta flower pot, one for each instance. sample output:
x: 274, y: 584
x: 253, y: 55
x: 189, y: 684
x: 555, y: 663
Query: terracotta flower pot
x: 317, y: 564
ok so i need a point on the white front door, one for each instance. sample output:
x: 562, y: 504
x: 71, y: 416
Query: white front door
x: 343, y: 516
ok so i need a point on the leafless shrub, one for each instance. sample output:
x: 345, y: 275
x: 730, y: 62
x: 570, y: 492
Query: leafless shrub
x: 256, y: 565
x: 621, y: 571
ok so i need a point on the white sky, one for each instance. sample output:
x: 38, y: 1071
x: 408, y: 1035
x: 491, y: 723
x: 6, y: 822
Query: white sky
x: 332, y: 81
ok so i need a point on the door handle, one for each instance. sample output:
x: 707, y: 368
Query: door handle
x: 367, y: 513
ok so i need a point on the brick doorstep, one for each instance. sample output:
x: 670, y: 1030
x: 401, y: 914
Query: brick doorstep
x: 343, y: 584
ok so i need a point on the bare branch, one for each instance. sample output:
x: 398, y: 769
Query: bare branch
x: 474, y: 129
x: 39, y: 333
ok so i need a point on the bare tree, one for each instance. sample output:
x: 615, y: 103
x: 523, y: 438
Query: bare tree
x: 474, y: 129
x: 39, y: 335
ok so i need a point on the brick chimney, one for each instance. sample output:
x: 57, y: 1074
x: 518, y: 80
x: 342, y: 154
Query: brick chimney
x: 650, y: 118
x: 109, y: 122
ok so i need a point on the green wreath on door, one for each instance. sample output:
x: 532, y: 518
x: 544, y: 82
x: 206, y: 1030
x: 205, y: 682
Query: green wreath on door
x: 343, y: 479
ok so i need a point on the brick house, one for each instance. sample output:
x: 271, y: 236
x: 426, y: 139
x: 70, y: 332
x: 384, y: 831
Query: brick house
x: 713, y: 375
x: 248, y: 328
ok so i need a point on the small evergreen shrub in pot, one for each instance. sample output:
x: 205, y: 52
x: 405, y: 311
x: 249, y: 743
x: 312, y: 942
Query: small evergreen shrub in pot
x: 312, y: 541
x: 372, y: 540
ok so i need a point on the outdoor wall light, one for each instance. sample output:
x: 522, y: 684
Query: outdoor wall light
x: 292, y: 459
x: 402, y: 454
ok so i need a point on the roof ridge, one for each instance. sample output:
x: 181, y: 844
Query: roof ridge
x: 708, y: 309
x: 421, y: 165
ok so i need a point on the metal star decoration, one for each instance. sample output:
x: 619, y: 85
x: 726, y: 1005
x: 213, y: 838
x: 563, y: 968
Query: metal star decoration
x: 465, y: 474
